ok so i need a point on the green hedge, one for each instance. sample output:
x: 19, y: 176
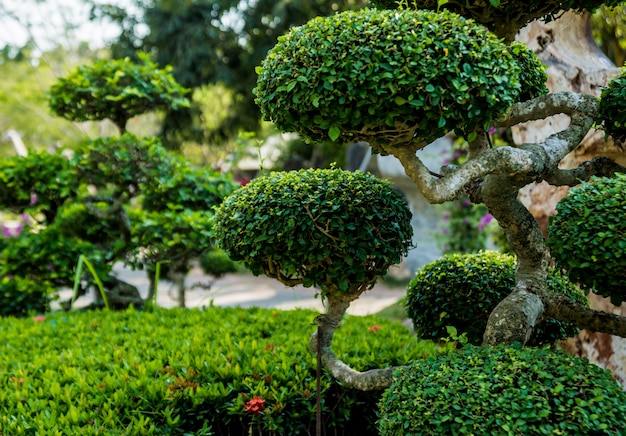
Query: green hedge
x: 188, y: 372
x: 461, y: 290
x: 587, y: 236
x: 503, y: 391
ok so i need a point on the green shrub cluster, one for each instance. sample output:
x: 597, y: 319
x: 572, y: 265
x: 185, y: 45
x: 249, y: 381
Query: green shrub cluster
x: 503, y: 390
x: 330, y: 228
x: 182, y: 372
x: 410, y: 76
x: 461, y: 290
x: 587, y: 236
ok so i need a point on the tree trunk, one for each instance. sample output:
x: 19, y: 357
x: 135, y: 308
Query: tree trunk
x: 575, y: 64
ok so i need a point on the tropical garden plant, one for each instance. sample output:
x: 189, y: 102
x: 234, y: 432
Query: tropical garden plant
x: 398, y: 78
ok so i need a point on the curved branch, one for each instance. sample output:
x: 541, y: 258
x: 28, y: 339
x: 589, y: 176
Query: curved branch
x: 373, y: 379
x: 597, y: 166
x: 564, y: 309
x: 534, y: 161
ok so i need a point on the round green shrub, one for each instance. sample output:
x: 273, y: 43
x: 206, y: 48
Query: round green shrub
x: 388, y: 77
x: 612, y: 108
x: 587, y: 236
x: 116, y: 89
x: 217, y: 263
x: 503, y: 390
x: 329, y: 228
x: 461, y: 290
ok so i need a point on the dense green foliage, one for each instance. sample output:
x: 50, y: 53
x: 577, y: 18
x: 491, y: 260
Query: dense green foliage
x: 410, y: 76
x: 461, y: 290
x: 38, y: 184
x: 116, y: 90
x: 612, y: 108
x: 181, y: 372
x: 504, y: 18
x: 334, y: 229
x: 503, y: 391
x: 62, y: 220
x: 587, y: 236
x: 18, y: 296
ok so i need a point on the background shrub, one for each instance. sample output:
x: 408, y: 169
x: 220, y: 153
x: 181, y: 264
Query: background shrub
x: 21, y: 297
x: 503, y: 390
x: 187, y: 372
x: 587, y: 236
x: 330, y: 228
x: 461, y: 290
x: 116, y: 89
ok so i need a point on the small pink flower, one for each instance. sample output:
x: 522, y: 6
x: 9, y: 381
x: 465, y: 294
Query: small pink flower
x: 40, y: 318
x: 374, y: 328
x: 33, y: 199
x: 492, y: 130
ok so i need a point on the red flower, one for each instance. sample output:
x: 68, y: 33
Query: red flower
x: 374, y: 328
x: 255, y: 405
x: 40, y: 318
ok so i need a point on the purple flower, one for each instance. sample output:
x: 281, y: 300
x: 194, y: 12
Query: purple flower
x: 33, y: 198
x: 12, y: 231
x: 445, y: 231
x: 446, y: 217
x: 484, y: 221
x: 465, y: 221
x: 492, y: 130
x: 465, y: 202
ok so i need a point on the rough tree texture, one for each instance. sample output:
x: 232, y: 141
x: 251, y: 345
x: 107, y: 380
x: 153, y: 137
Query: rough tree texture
x: 574, y: 64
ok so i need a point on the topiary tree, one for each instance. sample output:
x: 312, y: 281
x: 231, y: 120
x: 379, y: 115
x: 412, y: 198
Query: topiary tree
x: 441, y: 292
x: 400, y: 78
x: 116, y: 90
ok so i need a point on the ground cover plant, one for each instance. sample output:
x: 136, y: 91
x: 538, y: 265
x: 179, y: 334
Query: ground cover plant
x: 399, y: 77
x: 220, y: 371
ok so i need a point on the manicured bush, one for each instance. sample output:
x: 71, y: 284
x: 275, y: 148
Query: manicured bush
x: 461, y: 290
x: 611, y: 111
x: 175, y: 372
x: 217, y: 263
x: 116, y: 89
x: 587, y: 236
x: 503, y: 390
x: 330, y: 228
x: 410, y: 76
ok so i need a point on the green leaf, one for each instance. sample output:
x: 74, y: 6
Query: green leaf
x: 333, y: 133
